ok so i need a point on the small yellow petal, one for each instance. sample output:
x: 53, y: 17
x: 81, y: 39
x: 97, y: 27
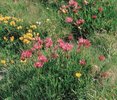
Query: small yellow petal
x: 78, y: 74
x: 3, y: 62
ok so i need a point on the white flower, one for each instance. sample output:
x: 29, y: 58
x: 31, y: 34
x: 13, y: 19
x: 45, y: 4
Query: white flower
x: 38, y: 23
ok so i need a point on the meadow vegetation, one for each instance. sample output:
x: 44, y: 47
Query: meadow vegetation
x: 58, y: 50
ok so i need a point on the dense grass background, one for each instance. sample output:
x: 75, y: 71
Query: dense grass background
x: 56, y: 80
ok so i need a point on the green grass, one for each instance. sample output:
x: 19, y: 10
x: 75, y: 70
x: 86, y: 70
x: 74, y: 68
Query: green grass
x: 56, y: 79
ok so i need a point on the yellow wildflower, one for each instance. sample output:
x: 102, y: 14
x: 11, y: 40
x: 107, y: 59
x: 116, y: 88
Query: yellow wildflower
x: 3, y: 62
x: 12, y: 62
x: 30, y: 38
x: 33, y: 26
x: 23, y: 61
x: 19, y: 20
x: 12, y: 23
x: 14, y: 18
x: 5, y: 38
x: 5, y: 22
x: 30, y: 30
x: 21, y: 38
x: 37, y: 34
x: 19, y: 27
x: 12, y: 38
x: 26, y: 41
x: 7, y: 18
x: 78, y: 74
x: 29, y: 34
x: 1, y: 18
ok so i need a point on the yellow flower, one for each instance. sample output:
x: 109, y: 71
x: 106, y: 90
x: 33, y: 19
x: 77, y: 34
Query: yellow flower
x: 33, y: 26
x: 3, y: 62
x: 26, y: 41
x: 12, y: 62
x: 23, y: 61
x: 7, y: 18
x: 25, y: 36
x: 21, y: 38
x: 30, y: 30
x: 5, y: 22
x: 12, y: 23
x: 29, y: 34
x: 14, y: 18
x: 1, y: 18
x: 19, y: 20
x: 12, y: 38
x: 30, y: 38
x: 5, y: 38
x: 19, y: 27
x: 37, y: 34
x: 78, y: 74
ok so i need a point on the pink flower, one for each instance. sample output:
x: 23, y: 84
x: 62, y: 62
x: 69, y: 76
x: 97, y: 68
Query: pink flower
x: 82, y: 62
x: 102, y: 58
x: 100, y: 9
x: 83, y: 42
x: 87, y: 43
x: 70, y: 37
x: 80, y: 22
x: 65, y: 46
x: 60, y: 41
x: 42, y: 58
x: 69, y: 20
x: 33, y: 49
x: 38, y: 39
x: 37, y: 46
x: 48, y: 42
x: 26, y: 54
x: 38, y: 64
x: 73, y: 3
x: 94, y: 16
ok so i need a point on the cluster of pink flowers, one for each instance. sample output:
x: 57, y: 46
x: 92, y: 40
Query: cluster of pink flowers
x: 80, y: 21
x: 73, y: 3
x: 75, y: 7
x: 65, y: 46
x: 38, y: 44
x: 26, y: 54
x: 38, y: 64
x: 41, y: 60
x: 48, y: 42
x: 69, y: 20
x: 70, y: 37
x: 82, y: 62
x: 83, y: 42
